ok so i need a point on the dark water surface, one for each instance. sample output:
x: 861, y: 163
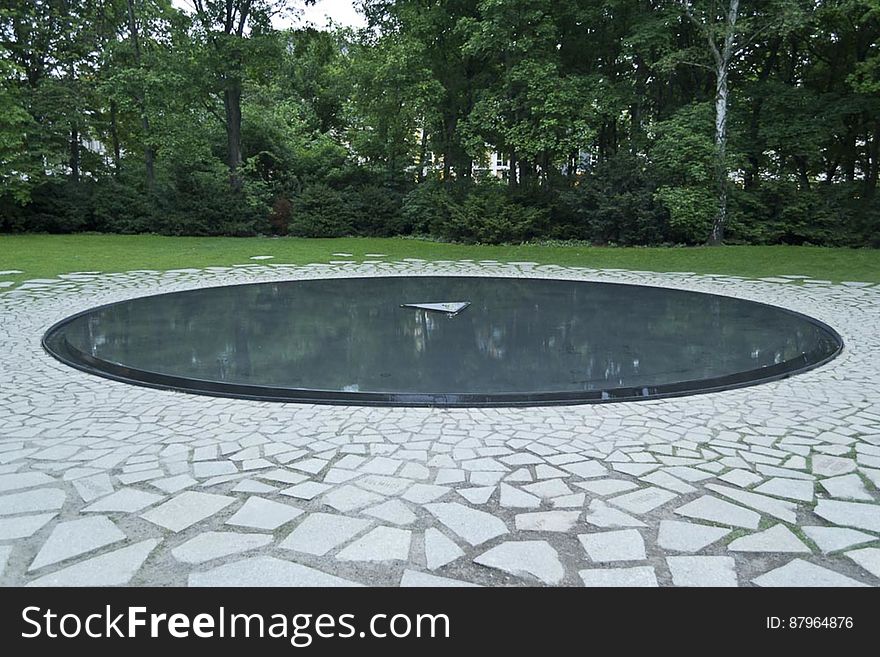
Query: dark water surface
x: 520, y: 341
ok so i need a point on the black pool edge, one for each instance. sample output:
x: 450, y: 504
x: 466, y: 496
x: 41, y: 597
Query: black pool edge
x: 65, y: 353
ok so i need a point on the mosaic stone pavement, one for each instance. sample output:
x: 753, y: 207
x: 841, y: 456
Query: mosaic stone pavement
x: 103, y: 483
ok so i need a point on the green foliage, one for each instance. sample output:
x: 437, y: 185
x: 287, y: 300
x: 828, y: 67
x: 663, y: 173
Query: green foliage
x: 691, y: 210
x: 602, y: 112
x: 319, y: 211
x: 199, y: 200
x: 614, y: 204
x: 484, y: 214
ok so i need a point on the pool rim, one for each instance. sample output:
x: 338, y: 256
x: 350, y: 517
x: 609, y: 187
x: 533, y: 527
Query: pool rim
x: 78, y: 360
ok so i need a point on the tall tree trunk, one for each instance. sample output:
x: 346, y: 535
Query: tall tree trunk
x: 722, y: 66
x: 873, y: 149
x: 718, y: 225
x: 803, y: 172
x: 423, y: 153
x: 114, y: 137
x: 149, y: 153
x: 73, y: 161
x: 232, y: 105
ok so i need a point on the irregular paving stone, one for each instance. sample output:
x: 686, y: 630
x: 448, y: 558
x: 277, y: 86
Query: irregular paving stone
x: 350, y: 498
x: 686, y: 536
x: 834, y: 539
x: 638, y: 576
x: 741, y: 478
x: 830, y: 466
x: 850, y: 514
x: 776, y: 539
x: 715, y: 510
x: 174, y: 484
x: 635, y: 469
x: 522, y: 474
x: 112, y: 569
x: 321, y: 532
x: 24, y: 480
x: 666, y: 480
x: 873, y: 475
x: 803, y: 573
x: 545, y: 471
x: 850, y: 487
x: 439, y: 549
x: 5, y: 551
x: 57, y: 453
x: 140, y: 476
x: 621, y: 545
x: 85, y: 479
x: 307, y: 490
x: 515, y: 498
x: 785, y: 511
x: 547, y: 521
x: 283, y: 476
x: 266, y: 572
x: 702, y: 571
x: 488, y: 479
x: 479, y: 495
x: 260, y: 513
x: 785, y: 473
x: 424, y: 493
x: 43, y: 499
x: 586, y: 469
x: 125, y: 500
x: 602, y: 515
x: 484, y: 464
x: 23, y: 526
x: 473, y: 526
x: 186, y: 509
x: 384, y: 485
x: 691, y: 475
x: 393, y: 511
x: 312, y: 466
x: 867, y: 558
x: 205, y: 469
x: 793, y: 489
x: 523, y: 558
x: 381, y: 465
x: 606, y: 486
x: 213, y: 545
x: 379, y: 544
x: 253, y: 486
x: 643, y: 501
x: 548, y: 488
x: 76, y: 537
x: 413, y: 578
x: 569, y: 501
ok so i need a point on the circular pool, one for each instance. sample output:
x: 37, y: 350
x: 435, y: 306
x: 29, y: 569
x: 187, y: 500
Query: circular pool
x: 441, y: 341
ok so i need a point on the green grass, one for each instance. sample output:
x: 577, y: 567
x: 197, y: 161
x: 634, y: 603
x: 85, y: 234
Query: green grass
x: 45, y: 256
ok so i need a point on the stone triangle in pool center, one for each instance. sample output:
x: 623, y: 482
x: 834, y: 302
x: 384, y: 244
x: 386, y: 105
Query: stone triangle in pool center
x: 448, y: 307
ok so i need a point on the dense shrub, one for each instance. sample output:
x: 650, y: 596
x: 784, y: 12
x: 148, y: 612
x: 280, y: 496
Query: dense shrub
x: 429, y: 206
x: 200, y: 200
x: 778, y: 212
x: 56, y: 206
x: 615, y: 203
x: 319, y: 211
x: 489, y: 215
x: 375, y: 210
x: 121, y: 206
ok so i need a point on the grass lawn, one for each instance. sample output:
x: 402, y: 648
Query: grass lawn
x: 45, y: 256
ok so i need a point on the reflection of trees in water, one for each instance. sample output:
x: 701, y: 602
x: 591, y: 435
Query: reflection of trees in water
x: 516, y: 335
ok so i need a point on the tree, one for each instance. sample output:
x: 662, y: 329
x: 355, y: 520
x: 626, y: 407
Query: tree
x: 228, y: 26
